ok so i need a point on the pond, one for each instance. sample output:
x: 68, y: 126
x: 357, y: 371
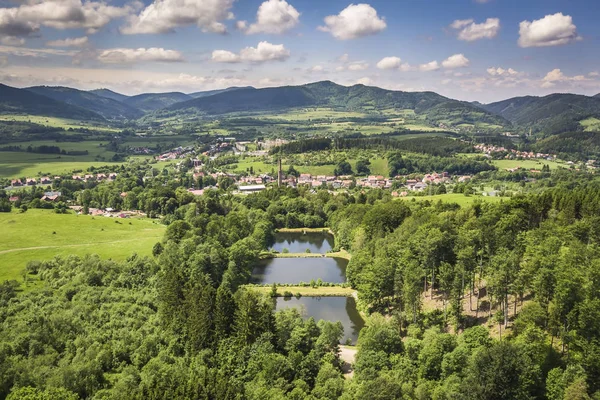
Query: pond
x: 334, y: 309
x: 296, y: 270
x: 298, y: 242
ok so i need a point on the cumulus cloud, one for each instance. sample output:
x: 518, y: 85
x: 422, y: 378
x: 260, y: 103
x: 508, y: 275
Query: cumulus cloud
x: 501, y: 71
x: 552, y: 30
x: 264, y: 52
x: 26, y: 19
x: 12, y: 41
x: 358, y: 66
x: 389, y: 63
x: 69, y: 42
x: 557, y: 76
x: 355, y: 21
x: 364, y: 81
x: 430, y: 66
x: 470, y: 31
x: 128, y: 56
x: 164, y: 16
x: 273, y: 16
x: 456, y: 61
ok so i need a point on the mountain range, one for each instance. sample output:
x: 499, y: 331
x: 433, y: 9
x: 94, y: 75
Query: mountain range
x: 551, y: 114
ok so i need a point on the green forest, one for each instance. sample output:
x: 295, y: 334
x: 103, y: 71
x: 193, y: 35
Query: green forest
x: 183, y: 324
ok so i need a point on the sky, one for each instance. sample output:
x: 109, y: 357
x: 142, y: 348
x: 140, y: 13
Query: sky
x: 483, y: 50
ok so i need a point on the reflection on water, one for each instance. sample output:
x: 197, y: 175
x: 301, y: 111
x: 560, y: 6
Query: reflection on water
x: 334, y: 309
x: 296, y: 270
x: 298, y: 242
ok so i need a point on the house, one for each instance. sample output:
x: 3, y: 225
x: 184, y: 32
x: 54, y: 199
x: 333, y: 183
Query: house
x: 112, y: 176
x: 77, y: 178
x: 251, y: 188
x: 31, y: 181
x: 100, y: 177
x: 16, y: 182
x: 51, y: 196
x: 12, y: 199
x: 45, y: 180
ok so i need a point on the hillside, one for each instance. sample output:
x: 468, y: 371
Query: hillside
x: 109, y: 94
x: 108, y: 108
x: 550, y: 114
x: 155, y: 101
x: 197, y: 95
x: 437, y: 108
x: 22, y: 101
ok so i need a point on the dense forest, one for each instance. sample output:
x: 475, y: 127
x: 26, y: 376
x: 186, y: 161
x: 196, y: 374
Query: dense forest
x: 432, y: 278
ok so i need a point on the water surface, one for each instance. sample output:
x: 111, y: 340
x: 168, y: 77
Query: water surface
x: 334, y: 309
x: 296, y: 270
x: 298, y: 242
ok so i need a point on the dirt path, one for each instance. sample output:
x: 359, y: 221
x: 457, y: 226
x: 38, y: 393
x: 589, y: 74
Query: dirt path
x: 65, y: 246
x: 348, y: 356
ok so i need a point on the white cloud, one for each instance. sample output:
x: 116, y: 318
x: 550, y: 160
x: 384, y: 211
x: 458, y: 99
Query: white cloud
x: 128, y: 56
x: 470, y: 31
x: 273, y: 16
x: 224, y: 56
x: 456, y: 61
x: 26, y: 19
x: 594, y: 73
x: 358, y: 66
x: 3, y: 61
x: 364, y: 81
x: 356, y: 20
x: 12, y: 41
x: 389, y: 63
x: 241, y: 25
x: 344, y: 58
x: 552, y: 30
x: 317, y: 68
x: 340, y: 68
x: 430, y: 66
x: 264, y: 52
x: 501, y: 71
x: 69, y: 42
x: 36, y: 53
x: 557, y: 76
x: 163, y: 16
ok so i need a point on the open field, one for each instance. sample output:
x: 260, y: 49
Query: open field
x: 307, y: 290
x: 29, y: 236
x: 457, y: 198
x: 57, y: 122
x: 307, y: 114
x: 20, y: 164
x: 590, y: 124
x: 527, y: 164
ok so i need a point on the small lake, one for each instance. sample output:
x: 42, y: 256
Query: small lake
x: 334, y: 309
x: 298, y: 242
x: 296, y: 270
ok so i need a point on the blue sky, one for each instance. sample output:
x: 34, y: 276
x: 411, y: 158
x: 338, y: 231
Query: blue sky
x: 482, y: 50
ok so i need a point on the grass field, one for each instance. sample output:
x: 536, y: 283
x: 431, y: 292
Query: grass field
x: 527, y: 164
x: 29, y: 236
x: 57, y: 122
x: 457, y: 198
x: 21, y: 164
x: 590, y: 124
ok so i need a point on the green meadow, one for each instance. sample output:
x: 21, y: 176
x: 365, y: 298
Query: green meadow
x: 43, y: 234
x: 457, y: 198
x: 527, y: 164
x: 57, y: 122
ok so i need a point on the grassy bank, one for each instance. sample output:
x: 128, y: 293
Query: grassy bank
x: 321, y: 291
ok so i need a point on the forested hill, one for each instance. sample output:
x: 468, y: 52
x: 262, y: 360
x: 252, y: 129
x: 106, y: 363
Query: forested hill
x: 550, y: 114
x: 329, y: 94
x: 154, y: 101
x: 109, y: 94
x: 22, y: 101
x: 108, y: 108
x: 206, y: 93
